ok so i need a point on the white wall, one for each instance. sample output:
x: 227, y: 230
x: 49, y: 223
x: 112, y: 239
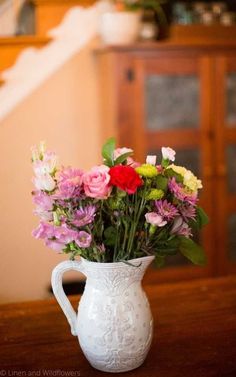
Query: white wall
x: 65, y: 113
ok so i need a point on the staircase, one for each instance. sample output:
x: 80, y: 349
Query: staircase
x: 49, y: 14
x: 62, y: 28
x: 11, y: 47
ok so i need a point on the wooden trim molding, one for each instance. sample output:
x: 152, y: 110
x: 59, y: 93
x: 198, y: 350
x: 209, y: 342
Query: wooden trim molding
x: 25, y: 40
x: 199, y: 31
x: 11, y: 47
x: 82, y: 3
x: 201, y: 45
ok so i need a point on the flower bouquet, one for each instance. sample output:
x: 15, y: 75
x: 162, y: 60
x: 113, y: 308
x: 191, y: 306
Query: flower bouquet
x: 119, y: 210
x: 117, y: 217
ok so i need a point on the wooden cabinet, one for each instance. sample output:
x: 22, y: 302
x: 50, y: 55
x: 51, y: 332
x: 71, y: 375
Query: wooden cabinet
x: 181, y: 95
x: 225, y: 160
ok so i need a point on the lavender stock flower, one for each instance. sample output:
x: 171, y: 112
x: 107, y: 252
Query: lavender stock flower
x: 56, y: 237
x: 44, y: 203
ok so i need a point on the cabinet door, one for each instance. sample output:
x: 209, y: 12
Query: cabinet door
x: 172, y: 108
x: 225, y: 161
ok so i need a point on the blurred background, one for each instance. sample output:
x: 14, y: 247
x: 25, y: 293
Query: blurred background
x: 62, y: 81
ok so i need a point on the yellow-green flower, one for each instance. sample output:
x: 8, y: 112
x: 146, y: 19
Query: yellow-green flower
x: 155, y: 194
x: 147, y: 170
x: 191, y: 182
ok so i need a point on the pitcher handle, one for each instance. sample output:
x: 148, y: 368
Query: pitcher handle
x: 56, y: 281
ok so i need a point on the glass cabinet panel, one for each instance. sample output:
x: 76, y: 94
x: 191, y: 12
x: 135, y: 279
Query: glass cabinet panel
x: 231, y: 168
x: 232, y: 237
x: 231, y: 99
x: 171, y: 102
x: 189, y: 158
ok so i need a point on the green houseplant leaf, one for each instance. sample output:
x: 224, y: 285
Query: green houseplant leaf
x: 110, y: 236
x: 162, y: 182
x: 202, y: 218
x: 171, y: 173
x: 192, y: 251
x: 122, y: 158
x: 108, y: 151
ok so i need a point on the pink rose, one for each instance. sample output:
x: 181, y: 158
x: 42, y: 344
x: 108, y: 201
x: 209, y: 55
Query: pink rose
x: 96, y: 182
x: 154, y: 219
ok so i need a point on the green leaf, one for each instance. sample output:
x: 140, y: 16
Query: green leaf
x: 159, y: 260
x: 192, y: 251
x: 122, y: 158
x: 202, y: 218
x: 162, y: 182
x: 165, y: 162
x: 171, y: 173
x: 110, y: 234
x: 172, y: 245
x: 108, y: 151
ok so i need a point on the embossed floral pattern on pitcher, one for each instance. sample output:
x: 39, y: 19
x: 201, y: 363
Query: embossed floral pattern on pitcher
x: 114, y: 323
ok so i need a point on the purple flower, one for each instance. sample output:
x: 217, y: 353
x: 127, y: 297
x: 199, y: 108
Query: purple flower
x: 44, y: 203
x: 44, y: 230
x: 56, y: 237
x: 69, y: 183
x: 187, y: 212
x: 180, y: 193
x: 165, y: 209
x: 84, y: 216
x: 84, y: 239
x: 181, y: 228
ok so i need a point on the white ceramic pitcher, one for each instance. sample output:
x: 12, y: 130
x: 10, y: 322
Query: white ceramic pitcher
x: 114, y: 322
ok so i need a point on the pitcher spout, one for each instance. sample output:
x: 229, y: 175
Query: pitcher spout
x: 113, y: 278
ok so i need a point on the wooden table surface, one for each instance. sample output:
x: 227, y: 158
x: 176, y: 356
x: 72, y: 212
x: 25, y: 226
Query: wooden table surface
x: 194, y: 335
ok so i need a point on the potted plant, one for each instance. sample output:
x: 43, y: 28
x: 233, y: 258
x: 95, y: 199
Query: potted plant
x: 113, y: 221
x: 122, y: 24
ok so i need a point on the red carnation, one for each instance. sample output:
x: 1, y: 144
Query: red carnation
x: 125, y: 177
